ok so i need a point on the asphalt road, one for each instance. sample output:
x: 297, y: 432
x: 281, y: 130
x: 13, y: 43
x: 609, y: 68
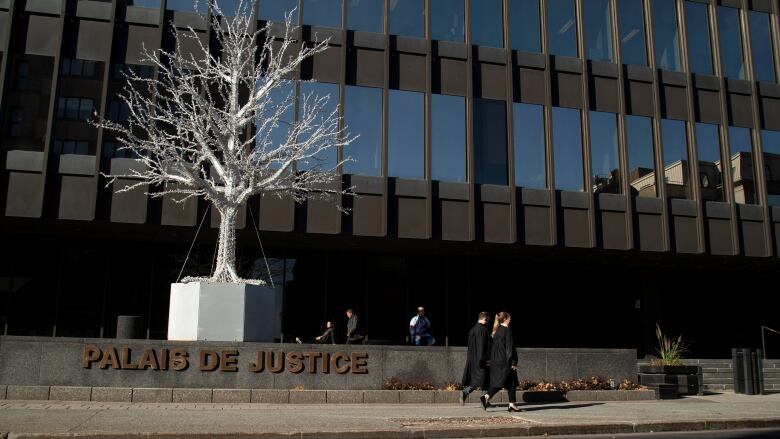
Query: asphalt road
x: 730, y: 434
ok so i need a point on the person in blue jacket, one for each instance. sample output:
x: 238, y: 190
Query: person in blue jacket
x: 420, y: 329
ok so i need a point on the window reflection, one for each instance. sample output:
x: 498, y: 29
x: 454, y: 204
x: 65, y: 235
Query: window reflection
x: 761, y: 46
x: 117, y: 110
x: 325, y: 13
x: 325, y: 160
x: 641, y: 164
x: 530, y: 170
x: 366, y: 15
x: 28, y: 97
x: 407, y: 17
x: 525, y: 22
x: 405, y: 135
x: 675, y: 147
x: 633, y: 48
x: 187, y: 6
x: 561, y: 27
x: 710, y: 171
x: 447, y: 20
x: 487, y: 24
x: 699, y: 49
x: 275, y: 10
x: 730, y: 38
x: 742, y: 172
x: 144, y: 3
x: 80, y: 93
x: 490, y: 148
x: 448, y: 138
x: 665, y: 31
x: 280, y: 97
x: 363, y: 118
x: 567, y: 149
x: 598, y: 30
x: 605, y: 167
x: 771, y: 142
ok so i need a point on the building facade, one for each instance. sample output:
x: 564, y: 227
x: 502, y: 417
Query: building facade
x: 506, y: 159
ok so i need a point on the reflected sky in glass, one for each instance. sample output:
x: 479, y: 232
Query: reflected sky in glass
x: 698, y: 27
x: 447, y: 20
x: 363, y: 117
x: 761, y: 47
x: 487, y: 23
x: 328, y: 159
x: 274, y: 10
x: 278, y: 135
x: 604, y: 152
x: 530, y: 168
x: 633, y: 49
x: 525, y: 22
x: 325, y: 13
x: 730, y: 38
x: 490, y: 149
x: 366, y: 15
x: 448, y: 138
x: 561, y: 27
x: 406, y: 134
x: 186, y: 5
x: 674, y: 141
x: 667, y: 39
x: 598, y: 30
x: 639, y: 146
x: 567, y: 149
x: 407, y: 18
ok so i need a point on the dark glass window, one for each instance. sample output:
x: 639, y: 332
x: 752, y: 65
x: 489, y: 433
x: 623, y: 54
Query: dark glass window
x: 598, y: 30
x: 525, y: 23
x: 697, y: 23
x: 633, y: 49
x: 275, y: 136
x: 487, y: 23
x: 742, y: 172
x: 407, y: 17
x: 447, y: 20
x: 605, y: 167
x: 641, y: 164
x: 490, y: 152
x: 561, y: 27
x: 16, y: 122
x: 327, y: 159
x: 530, y: 167
x: 75, y: 108
x: 77, y: 68
x: 710, y: 171
x: 666, y: 33
x: 325, y: 13
x: 675, y: 145
x: 187, y: 6
x: 771, y: 142
x: 118, y: 111
x: 406, y: 134
x: 275, y: 10
x: 121, y: 71
x: 363, y: 118
x: 730, y: 38
x: 366, y: 15
x: 60, y: 146
x: 567, y: 149
x: 761, y: 47
x: 448, y: 138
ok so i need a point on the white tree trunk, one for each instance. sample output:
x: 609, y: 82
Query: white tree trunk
x: 226, y: 254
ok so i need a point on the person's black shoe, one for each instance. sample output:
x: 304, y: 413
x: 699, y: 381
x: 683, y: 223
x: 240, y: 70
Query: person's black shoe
x: 514, y: 409
x: 462, y: 398
x: 484, y: 401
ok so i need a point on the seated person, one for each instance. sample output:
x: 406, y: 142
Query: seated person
x: 327, y: 337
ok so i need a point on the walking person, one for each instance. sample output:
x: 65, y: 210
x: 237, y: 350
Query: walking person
x: 503, y: 363
x: 419, y: 328
x: 476, y: 373
x: 327, y: 337
x: 353, y: 335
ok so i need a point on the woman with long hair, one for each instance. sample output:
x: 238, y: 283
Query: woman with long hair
x: 503, y: 362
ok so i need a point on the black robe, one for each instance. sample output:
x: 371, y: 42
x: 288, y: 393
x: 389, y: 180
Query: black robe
x: 476, y: 372
x: 502, y: 357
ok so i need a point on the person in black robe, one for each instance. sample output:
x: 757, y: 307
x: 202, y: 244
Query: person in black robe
x: 475, y: 374
x: 327, y: 337
x: 503, y: 363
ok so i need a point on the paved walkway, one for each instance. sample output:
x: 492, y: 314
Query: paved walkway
x: 79, y: 419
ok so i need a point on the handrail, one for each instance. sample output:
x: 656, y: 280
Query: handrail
x: 763, y: 337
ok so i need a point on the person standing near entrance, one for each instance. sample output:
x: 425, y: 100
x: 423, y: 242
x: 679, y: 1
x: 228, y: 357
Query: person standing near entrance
x: 476, y: 373
x: 420, y: 328
x: 503, y: 363
x: 353, y: 335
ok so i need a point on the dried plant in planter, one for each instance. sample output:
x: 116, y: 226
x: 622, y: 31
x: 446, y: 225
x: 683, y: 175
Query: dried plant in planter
x: 396, y: 384
x: 452, y: 386
x: 593, y: 383
x: 670, y: 351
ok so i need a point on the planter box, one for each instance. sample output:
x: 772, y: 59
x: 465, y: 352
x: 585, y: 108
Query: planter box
x: 688, y: 379
x: 224, y: 312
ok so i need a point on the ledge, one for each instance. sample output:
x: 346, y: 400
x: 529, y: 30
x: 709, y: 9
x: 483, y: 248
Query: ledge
x: 134, y: 14
x: 750, y: 212
x: 668, y: 77
x: 408, y: 188
x: 739, y: 86
x: 716, y: 209
x: 93, y: 9
x: 188, y: 19
x: 603, y: 69
x: 449, y: 49
x: 123, y: 166
x: 408, y: 44
x: 680, y: 207
x: 639, y: 73
x: 651, y: 205
x: 451, y: 191
x: 367, y: 40
x: 529, y: 59
x: 317, y: 34
x: 566, y: 64
x: 535, y: 197
x: 706, y: 82
x: 490, y: 193
x: 75, y: 164
x: 574, y: 200
x: 29, y: 161
x: 493, y: 55
x: 367, y: 185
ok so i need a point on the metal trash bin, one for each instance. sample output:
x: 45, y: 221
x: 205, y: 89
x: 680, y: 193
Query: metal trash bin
x: 747, y: 368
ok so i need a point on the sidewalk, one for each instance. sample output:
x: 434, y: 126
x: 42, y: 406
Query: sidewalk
x: 98, y: 420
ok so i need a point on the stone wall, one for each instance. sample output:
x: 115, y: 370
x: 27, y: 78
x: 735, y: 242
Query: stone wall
x: 718, y: 373
x: 45, y: 361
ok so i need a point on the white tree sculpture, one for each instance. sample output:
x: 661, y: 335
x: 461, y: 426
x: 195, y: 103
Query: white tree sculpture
x: 203, y: 126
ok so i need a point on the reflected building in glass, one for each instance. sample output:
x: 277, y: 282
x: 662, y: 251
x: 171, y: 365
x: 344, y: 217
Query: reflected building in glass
x: 597, y: 147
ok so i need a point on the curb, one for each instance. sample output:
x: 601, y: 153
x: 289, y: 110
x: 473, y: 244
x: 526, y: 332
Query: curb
x: 425, y: 433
